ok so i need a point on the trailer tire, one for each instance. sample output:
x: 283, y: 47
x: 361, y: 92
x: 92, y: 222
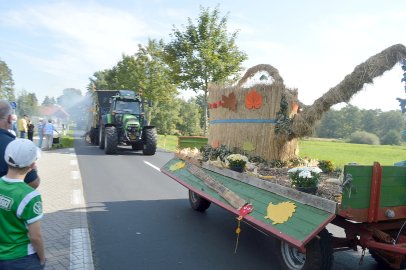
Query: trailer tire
x: 149, y: 136
x: 101, y: 137
x: 111, y: 141
x: 197, y: 202
x: 319, y: 254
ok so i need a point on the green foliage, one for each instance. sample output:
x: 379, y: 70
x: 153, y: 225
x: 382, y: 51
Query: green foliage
x: 344, y: 122
x: 363, y: 137
x: 278, y: 163
x: 48, y: 101
x: 393, y: 137
x: 210, y: 153
x: 6, y: 82
x: 326, y: 166
x: 27, y: 103
x: 203, y: 53
x: 301, y: 181
x: 237, y: 160
x: 189, y: 118
x: 166, y: 116
x: 283, y: 122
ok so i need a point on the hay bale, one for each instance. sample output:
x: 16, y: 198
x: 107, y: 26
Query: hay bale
x: 234, y: 128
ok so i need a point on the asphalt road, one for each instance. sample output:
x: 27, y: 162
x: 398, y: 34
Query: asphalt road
x: 141, y: 219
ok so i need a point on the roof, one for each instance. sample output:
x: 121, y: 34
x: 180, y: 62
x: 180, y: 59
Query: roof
x: 53, y: 110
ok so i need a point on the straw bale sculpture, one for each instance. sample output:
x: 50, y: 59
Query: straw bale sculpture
x: 266, y: 120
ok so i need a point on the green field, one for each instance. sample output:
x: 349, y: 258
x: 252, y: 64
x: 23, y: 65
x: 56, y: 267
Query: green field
x: 339, y: 153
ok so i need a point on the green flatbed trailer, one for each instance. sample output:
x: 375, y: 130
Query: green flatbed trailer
x: 372, y: 212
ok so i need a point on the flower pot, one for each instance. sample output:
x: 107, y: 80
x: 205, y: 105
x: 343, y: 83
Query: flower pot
x: 310, y: 190
x: 239, y: 169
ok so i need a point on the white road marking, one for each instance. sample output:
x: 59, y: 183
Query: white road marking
x: 80, y: 250
x: 77, y: 197
x: 152, y: 165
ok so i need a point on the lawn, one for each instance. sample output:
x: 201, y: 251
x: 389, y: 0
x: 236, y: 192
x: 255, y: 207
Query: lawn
x: 339, y: 153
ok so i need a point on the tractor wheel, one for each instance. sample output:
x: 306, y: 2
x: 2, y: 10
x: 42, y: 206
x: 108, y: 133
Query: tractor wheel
x: 319, y: 254
x: 94, y: 136
x: 149, y: 147
x: 197, y: 202
x: 110, y: 141
x: 101, y: 137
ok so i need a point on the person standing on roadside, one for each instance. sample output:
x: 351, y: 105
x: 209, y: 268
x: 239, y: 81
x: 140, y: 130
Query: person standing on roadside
x: 49, y: 134
x: 14, y: 124
x: 22, y: 126
x: 22, y: 246
x: 40, y: 126
x: 6, y: 137
x: 30, y: 132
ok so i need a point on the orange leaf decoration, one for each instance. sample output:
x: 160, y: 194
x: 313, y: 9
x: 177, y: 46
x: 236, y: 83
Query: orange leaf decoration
x: 216, y: 144
x: 230, y: 102
x: 295, y: 108
x: 253, y: 100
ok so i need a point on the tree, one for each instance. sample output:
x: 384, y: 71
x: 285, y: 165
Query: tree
x: 6, y: 82
x: 27, y: 103
x: 145, y: 72
x: 166, y: 116
x: 392, y: 137
x: 204, y: 53
x: 189, y: 122
x: 48, y: 101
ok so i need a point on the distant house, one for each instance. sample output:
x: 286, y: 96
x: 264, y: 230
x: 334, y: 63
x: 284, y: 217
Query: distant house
x: 54, y: 112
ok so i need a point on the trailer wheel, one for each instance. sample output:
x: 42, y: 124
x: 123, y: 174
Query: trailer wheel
x: 197, y: 202
x: 110, y: 141
x: 319, y: 254
x: 149, y: 147
x: 101, y: 137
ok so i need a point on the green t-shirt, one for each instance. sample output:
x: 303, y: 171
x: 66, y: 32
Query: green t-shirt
x: 20, y: 205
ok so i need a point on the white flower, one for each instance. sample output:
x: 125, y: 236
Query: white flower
x: 236, y: 157
x: 305, y: 174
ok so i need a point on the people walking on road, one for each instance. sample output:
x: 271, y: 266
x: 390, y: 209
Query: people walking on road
x: 41, y: 125
x: 49, y: 134
x: 22, y: 126
x: 22, y: 246
x: 6, y: 137
x: 30, y: 130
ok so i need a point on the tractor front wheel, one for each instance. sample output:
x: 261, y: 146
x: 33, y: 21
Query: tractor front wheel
x: 150, y: 141
x: 111, y: 141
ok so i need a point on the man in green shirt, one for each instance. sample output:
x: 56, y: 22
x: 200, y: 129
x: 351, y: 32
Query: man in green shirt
x: 21, y: 244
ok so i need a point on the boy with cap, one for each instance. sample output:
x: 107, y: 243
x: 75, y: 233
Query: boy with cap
x: 21, y: 244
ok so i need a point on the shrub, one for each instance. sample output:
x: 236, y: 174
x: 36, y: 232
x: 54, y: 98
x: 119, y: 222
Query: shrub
x: 304, y: 176
x: 326, y: 166
x: 363, y: 137
x: 392, y: 137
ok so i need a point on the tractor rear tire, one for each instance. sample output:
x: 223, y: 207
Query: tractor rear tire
x: 111, y: 141
x: 150, y: 141
x: 319, y: 254
x: 197, y: 202
x: 101, y: 137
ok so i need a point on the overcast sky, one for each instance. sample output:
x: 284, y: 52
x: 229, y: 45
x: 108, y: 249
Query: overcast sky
x: 53, y: 45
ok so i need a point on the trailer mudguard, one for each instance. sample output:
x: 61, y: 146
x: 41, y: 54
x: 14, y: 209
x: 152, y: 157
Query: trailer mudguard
x: 304, y: 224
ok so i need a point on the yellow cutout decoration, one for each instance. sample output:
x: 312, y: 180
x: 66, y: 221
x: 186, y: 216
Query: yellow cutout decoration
x: 248, y: 146
x: 281, y: 212
x: 177, y: 166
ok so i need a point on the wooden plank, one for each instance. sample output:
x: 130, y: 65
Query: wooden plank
x: 289, y: 193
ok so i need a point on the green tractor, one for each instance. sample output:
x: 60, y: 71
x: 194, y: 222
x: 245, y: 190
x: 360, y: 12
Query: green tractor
x: 121, y: 121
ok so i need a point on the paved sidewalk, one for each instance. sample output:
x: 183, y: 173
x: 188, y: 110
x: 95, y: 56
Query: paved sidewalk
x: 64, y: 225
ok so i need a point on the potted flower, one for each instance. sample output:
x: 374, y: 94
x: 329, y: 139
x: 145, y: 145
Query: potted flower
x: 305, y: 179
x: 237, y: 162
